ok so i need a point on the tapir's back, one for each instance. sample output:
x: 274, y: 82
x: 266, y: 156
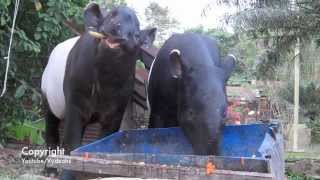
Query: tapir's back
x: 53, y: 76
x: 195, y: 50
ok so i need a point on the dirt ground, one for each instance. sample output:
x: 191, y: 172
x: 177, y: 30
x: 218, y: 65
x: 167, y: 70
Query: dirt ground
x: 12, y: 167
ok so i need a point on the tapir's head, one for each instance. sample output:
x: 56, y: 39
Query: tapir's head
x: 202, y: 92
x: 119, y: 28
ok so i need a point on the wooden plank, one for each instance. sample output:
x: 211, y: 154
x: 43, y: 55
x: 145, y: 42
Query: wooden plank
x: 140, y: 90
x: 141, y: 102
x: 142, y: 75
x: 226, y: 163
x: 142, y: 170
x: 148, y: 55
x: 139, y: 95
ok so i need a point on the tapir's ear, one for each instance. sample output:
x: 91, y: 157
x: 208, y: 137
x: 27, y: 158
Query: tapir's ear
x: 92, y: 16
x: 147, y: 36
x: 228, y: 65
x: 175, y: 63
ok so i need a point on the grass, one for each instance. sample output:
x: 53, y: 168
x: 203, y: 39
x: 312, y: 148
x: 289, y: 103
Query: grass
x: 301, y: 155
x: 5, y: 176
x: 292, y: 157
x: 296, y: 176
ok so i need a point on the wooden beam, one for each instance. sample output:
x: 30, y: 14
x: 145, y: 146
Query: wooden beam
x: 73, y: 27
x: 142, y: 170
x: 226, y: 163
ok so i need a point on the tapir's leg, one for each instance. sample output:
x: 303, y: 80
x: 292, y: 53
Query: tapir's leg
x: 110, y: 128
x: 73, y: 132
x: 163, y: 116
x: 73, y: 127
x: 112, y: 123
x: 156, y: 115
x: 52, y: 130
x: 51, y: 135
x: 155, y: 120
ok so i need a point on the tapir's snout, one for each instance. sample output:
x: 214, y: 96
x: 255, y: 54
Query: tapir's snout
x: 111, y: 39
x: 114, y: 35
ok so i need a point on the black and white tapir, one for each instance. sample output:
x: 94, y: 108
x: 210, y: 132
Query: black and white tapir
x: 91, y: 77
x: 187, y: 88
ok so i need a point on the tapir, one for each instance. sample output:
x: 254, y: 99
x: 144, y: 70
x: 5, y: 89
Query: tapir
x: 187, y: 88
x: 90, y: 78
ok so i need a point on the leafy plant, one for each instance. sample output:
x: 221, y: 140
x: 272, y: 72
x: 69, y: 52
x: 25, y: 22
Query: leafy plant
x: 295, y: 176
x: 309, y: 101
x: 27, y: 130
x: 140, y: 65
x: 159, y: 17
x: 40, y: 26
x: 226, y: 41
x: 241, y: 46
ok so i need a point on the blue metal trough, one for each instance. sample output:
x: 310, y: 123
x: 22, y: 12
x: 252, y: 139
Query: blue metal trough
x: 250, y: 148
x: 236, y: 141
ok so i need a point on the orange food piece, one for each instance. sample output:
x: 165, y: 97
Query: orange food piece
x: 210, y: 168
x: 242, y: 161
x: 86, y: 156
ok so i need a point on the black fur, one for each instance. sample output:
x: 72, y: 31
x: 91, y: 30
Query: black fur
x: 98, y: 80
x: 187, y: 89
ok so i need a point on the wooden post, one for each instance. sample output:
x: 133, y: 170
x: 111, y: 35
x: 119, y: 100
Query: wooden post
x: 296, y: 86
x: 296, y: 95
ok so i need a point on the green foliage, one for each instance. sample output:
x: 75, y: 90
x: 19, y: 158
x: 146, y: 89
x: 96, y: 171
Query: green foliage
x: 140, y: 65
x: 309, y: 102
x: 159, y: 17
x: 225, y: 40
x: 315, y: 130
x: 239, y: 45
x: 242, y: 79
x: 37, y: 32
x: 266, y: 65
x: 40, y: 26
x: 27, y: 130
x: 108, y: 4
x: 295, y: 176
x: 278, y: 23
x: 15, y: 111
x: 294, y: 156
x: 282, y: 18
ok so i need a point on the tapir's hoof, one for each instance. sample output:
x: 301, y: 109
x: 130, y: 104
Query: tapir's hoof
x: 68, y: 175
x: 50, y: 172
